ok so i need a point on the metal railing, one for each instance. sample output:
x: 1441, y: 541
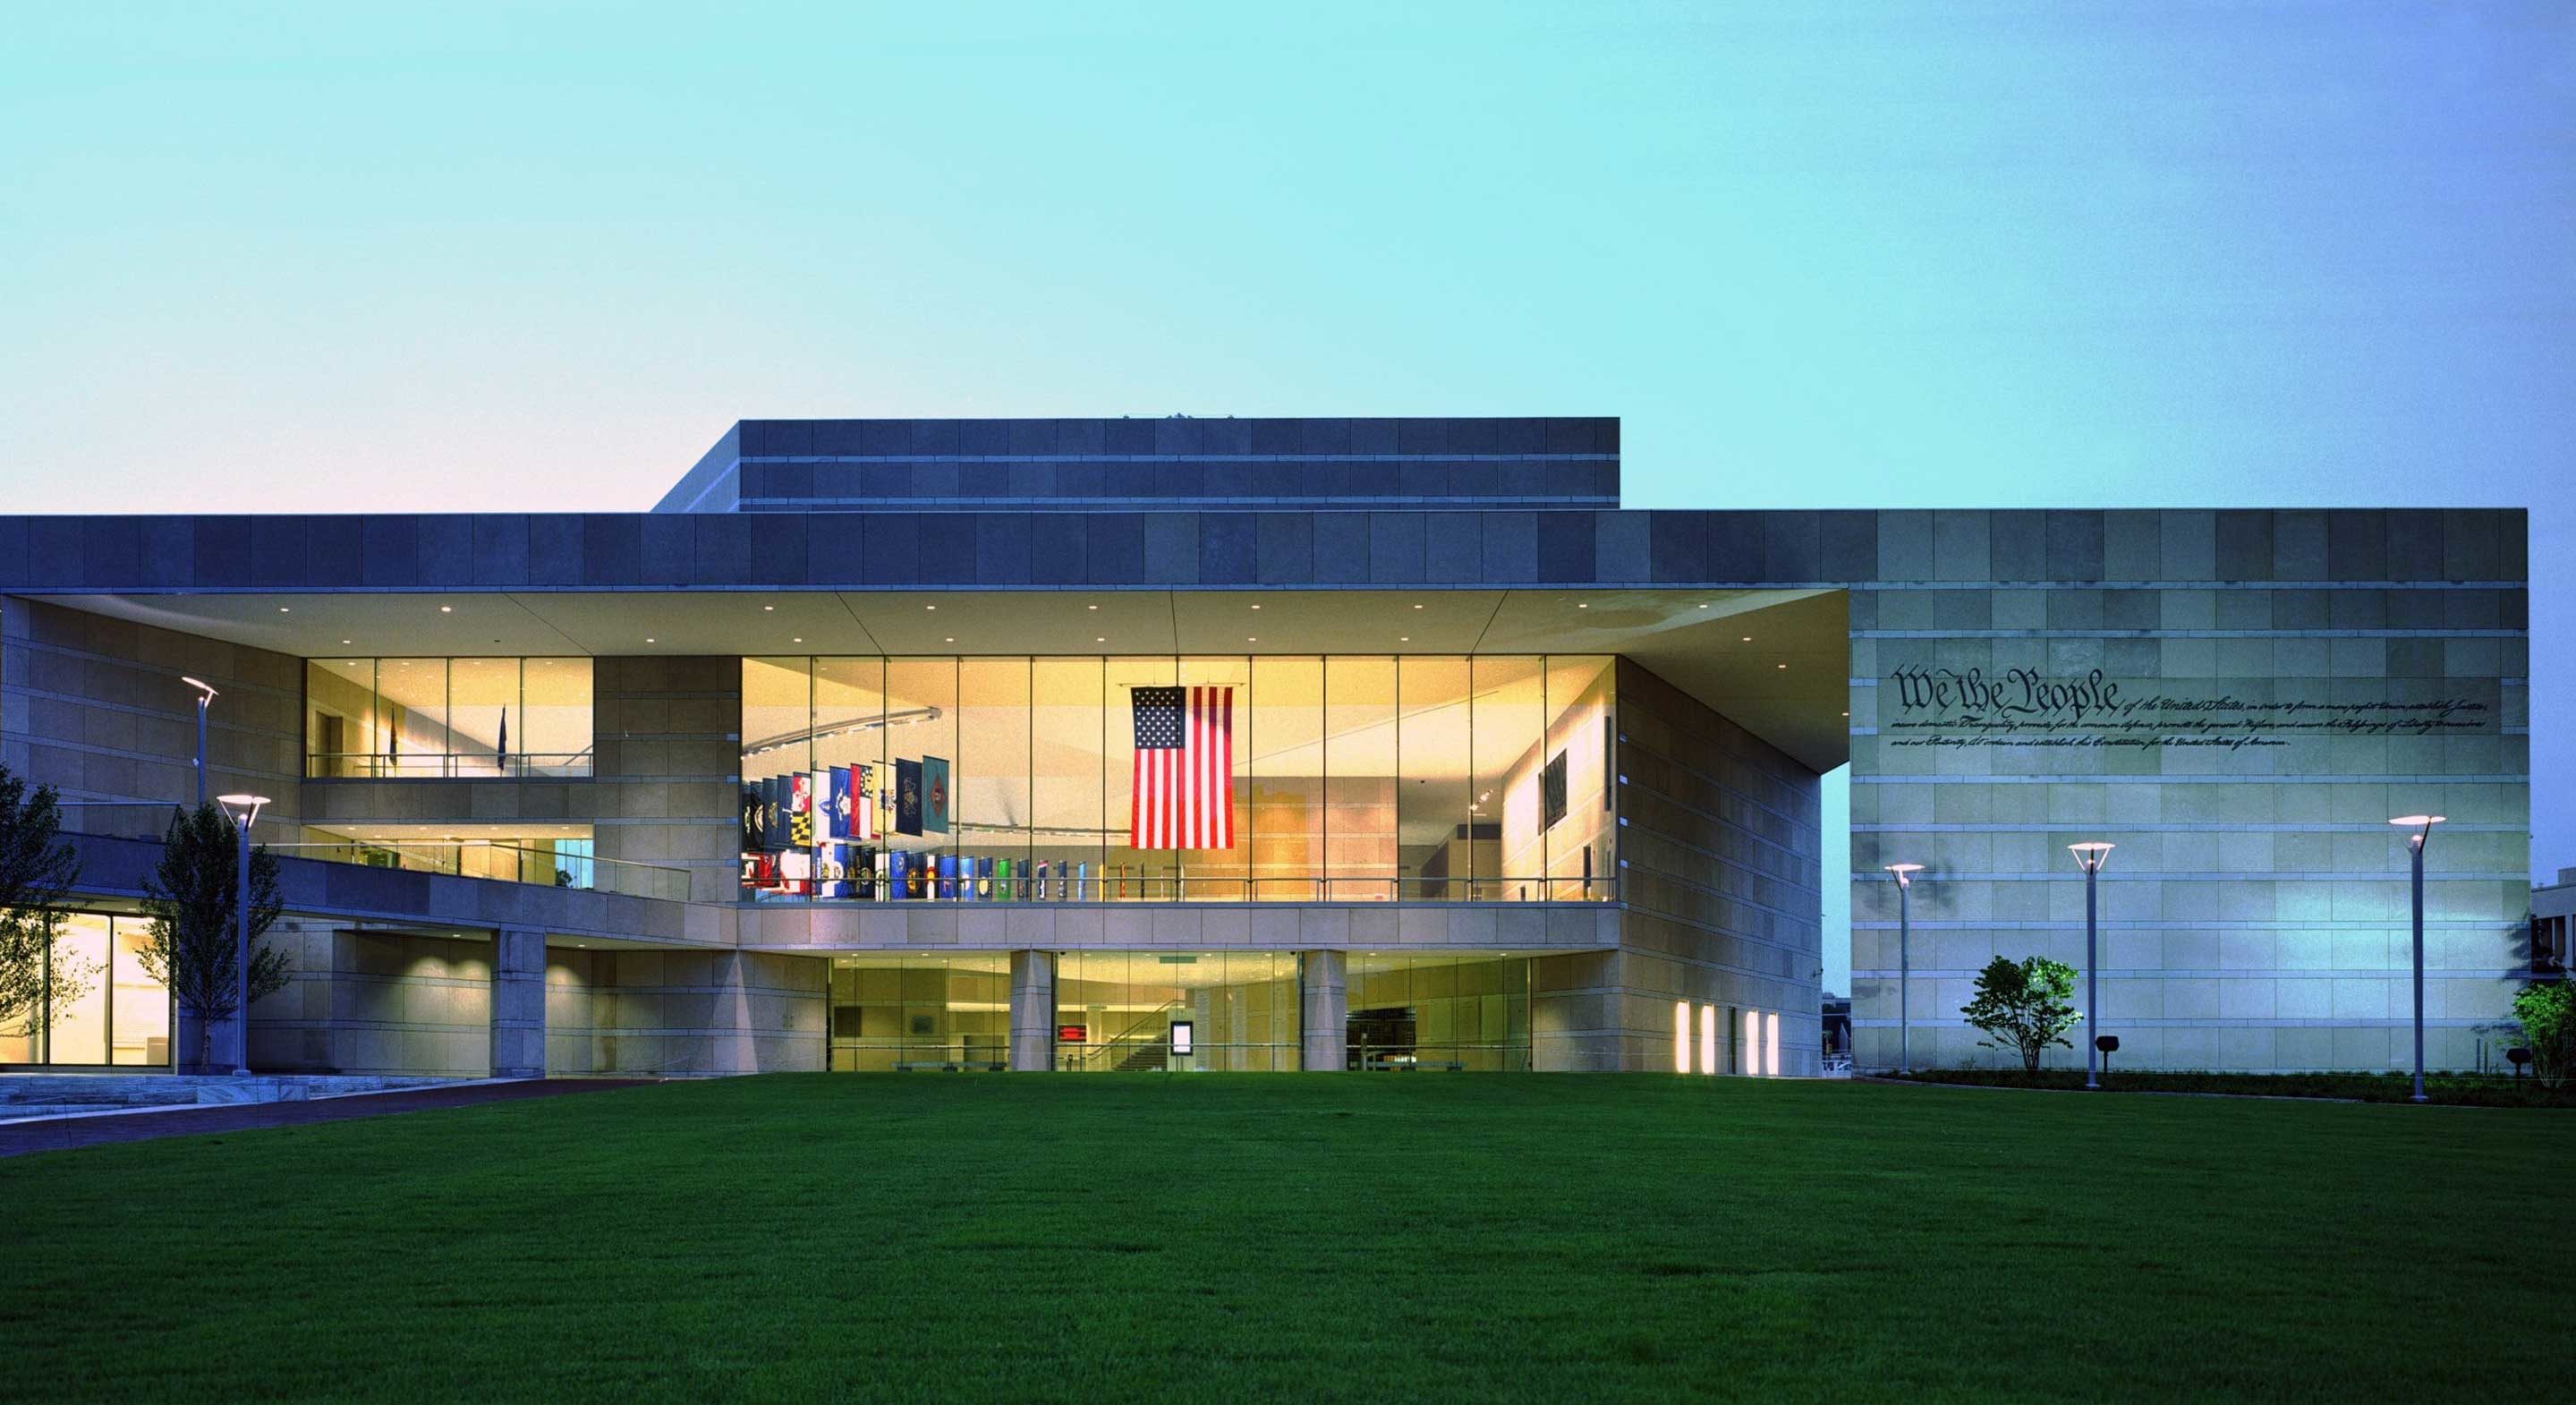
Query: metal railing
x: 495, y: 859
x: 1090, y: 887
x: 444, y: 765
x: 501, y: 862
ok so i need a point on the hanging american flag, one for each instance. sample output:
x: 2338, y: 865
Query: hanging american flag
x: 1184, y: 791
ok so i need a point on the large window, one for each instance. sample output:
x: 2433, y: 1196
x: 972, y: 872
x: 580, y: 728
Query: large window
x: 1206, y: 778
x: 117, y: 1015
x: 403, y: 718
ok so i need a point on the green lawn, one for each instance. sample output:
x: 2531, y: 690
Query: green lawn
x: 1144, y: 1239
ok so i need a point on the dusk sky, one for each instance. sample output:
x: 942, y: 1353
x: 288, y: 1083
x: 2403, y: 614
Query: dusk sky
x: 283, y: 257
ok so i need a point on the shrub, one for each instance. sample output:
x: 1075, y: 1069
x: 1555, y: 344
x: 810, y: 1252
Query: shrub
x: 2024, y: 1006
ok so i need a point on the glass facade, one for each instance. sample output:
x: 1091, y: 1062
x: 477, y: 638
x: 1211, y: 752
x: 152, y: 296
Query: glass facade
x: 1353, y: 778
x: 408, y: 718
x: 1180, y: 1012
x: 120, y: 1017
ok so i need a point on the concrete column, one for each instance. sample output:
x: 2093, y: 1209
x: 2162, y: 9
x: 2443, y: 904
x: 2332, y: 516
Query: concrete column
x: 1032, y: 1011
x: 1324, y: 1009
x: 519, y: 1003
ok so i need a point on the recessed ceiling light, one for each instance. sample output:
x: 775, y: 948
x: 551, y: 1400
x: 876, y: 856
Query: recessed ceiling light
x: 447, y: 609
x: 1582, y: 605
x: 1404, y: 639
x: 799, y: 639
x: 1784, y: 665
x: 1252, y: 639
x: 1256, y: 607
x: 344, y: 641
x: 930, y: 607
x: 1100, y: 639
x: 1703, y: 604
x: 953, y: 639
x: 648, y: 640
x: 283, y: 610
x: 1417, y: 607
x: 1091, y: 607
x: 769, y: 607
x: 1748, y: 639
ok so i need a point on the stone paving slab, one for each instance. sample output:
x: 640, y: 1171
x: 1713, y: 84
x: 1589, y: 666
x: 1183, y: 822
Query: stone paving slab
x: 65, y: 1133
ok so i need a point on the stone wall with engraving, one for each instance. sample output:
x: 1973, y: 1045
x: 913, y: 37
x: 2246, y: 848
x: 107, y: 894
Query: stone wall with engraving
x: 2239, y: 701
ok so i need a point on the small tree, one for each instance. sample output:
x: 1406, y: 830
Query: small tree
x: 2548, y: 1016
x: 191, y: 944
x: 37, y: 871
x: 2024, y: 1006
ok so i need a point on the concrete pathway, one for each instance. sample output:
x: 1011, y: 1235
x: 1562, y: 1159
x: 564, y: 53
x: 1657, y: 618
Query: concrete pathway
x: 93, y: 1129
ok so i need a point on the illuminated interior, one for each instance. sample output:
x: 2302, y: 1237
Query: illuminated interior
x: 1355, y: 778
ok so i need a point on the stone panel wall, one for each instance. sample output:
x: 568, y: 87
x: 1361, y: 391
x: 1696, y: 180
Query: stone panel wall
x: 1721, y: 870
x: 666, y: 781
x: 94, y: 707
x: 691, y: 1013
x: 2267, y: 689
x: 376, y: 1003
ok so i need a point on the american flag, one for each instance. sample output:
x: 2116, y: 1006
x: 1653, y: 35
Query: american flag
x: 1184, y: 791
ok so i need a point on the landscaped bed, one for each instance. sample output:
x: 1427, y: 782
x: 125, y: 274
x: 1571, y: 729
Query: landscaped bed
x: 1345, y: 1237
x: 2475, y: 1090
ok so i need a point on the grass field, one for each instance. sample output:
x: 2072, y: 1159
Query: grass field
x: 1436, y: 1238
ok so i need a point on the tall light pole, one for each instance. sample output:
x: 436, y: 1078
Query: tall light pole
x: 2423, y: 827
x: 2090, y: 856
x: 205, y: 699
x: 1904, y: 873
x: 244, y: 810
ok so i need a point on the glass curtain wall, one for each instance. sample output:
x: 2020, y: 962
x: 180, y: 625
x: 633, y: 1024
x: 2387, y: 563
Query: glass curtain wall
x: 408, y: 718
x: 1353, y: 778
x: 120, y: 1016
x: 1445, y: 1011
x: 890, y: 1013
x: 1181, y: 1011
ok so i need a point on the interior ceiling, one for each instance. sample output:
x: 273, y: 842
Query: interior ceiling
x: 1776, y: 661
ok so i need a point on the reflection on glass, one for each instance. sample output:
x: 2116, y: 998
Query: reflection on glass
x: 1439, y: 1011
x: 1115, y: 1011
x: 1438, y: 835
x: 120, y: 1016
x: 893, y: 1013
x: 1359, y: 778
x: 368, y: 718
x: 1362, y: 778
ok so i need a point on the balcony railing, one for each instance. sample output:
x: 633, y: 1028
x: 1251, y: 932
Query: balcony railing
x: 1088, y: 887
x: 501, y: 862
x: 498, y: 860
x: 444, y: 765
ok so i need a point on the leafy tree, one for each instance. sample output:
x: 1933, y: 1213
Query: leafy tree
x: 191, y: 944
x: 2548, y: 1015
x: 2024, y: 1006
x: 37, y: 871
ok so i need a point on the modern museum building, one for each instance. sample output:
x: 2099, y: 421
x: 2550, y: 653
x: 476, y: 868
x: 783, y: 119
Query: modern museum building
x: 1269, y: 744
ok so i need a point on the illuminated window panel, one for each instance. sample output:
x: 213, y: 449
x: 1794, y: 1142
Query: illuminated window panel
x: 1681, y: 1036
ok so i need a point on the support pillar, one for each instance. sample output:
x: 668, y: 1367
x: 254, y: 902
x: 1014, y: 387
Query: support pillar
x: 519, y: 1003
x: 1032, y: 1011
x: 1324, y: 1009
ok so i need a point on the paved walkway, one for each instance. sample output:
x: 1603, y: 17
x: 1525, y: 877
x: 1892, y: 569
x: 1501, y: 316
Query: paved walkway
x: 63, y: 1133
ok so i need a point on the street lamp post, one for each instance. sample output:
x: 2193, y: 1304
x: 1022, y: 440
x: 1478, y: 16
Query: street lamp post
x: 1904, y: 873
x: 205, y: 699
x: 2423, y: 827
x: 2090, y: 856
x: 244, y: 810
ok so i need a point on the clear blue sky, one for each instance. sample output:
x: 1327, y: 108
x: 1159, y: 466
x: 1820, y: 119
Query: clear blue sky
x: 2155, y: 254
